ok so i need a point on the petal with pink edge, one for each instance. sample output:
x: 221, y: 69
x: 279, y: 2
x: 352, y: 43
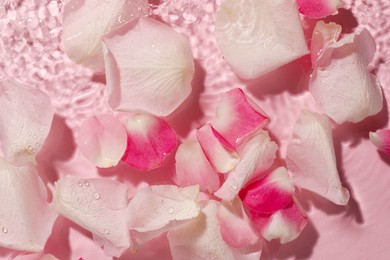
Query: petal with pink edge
x: 257, y: 155
x: 341, y: 83
x: 156, y: 209
x: 26, y: 116
x: 149, y: 67
x: 311, y: 158
x: 381, y: 139
x: 237, y: 117
x: 102, y: 139
x: 235, y: 226
x: 84, y: 23
x: 256, y: 37
x: 35, y: 257
x: 99, y: 206
x: 150, y: 140
x: 318, y: 8
x: 324, y: 35
x: 192, y: 167
x: 285, y: 224
x: 201, y: 239
x: 26, y: 217
x: 221, y: 158
x: 269, y: 194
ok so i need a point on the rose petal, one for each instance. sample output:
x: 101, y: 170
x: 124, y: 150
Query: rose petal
x: 257, y: 155
x: 311, y: 158
x: 25, y: 120
x: 324, y: 35
x: 381, y: 139
x: 26, y: 219
x: 256, y: 37
x: 149, y: 141
x: 285, y: 224
x: 341, y: 83
x: 237, y: 117
x: 222, y: 159
x: 235, y: 226
x: 270, y: 193
x: 102, y: 139
x: 99, y: 206
x: 149, y: 67
x: 156, y: 209
x: 84, y: 24
x: 192, y: 167
x: 35, y: 257
x: 319, y: 8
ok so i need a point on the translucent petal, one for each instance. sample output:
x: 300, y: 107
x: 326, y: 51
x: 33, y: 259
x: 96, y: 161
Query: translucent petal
x: 324, y: 35
x: 381, y: 139
x: 319, y: 8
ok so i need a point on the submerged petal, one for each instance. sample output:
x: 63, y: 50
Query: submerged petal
x: 311, y: 158
x: 319, y: 8
x: 381, y: 139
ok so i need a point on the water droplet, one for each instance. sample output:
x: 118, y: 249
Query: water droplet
x: 30, y: 149
x: 190, y: 13
x: 29, y: 133
x: 5, y: 230
x: 171, y: 210
x: 79, y: 200
x: 234, y: 187
x: 80, y: 184
x: 95, y: 217
x: 86, y: 183
x: 163, y: 202
x: 96, y: 196
x: 35, y: 136
x: 107, y: 231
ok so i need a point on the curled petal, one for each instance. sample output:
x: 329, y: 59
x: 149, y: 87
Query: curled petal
x: 26, y: 116
x: 102, y: 139
x: 156, y: 209
x: 26, y: 217
x: 237, y: 117
x: 381, y: 139
x: 311, y: 158
x: 221, y: 158
x: 150, y: 140
x: 99, y: 206
x: 257, y: 155
x: 84, y: 24
x: 35, y: 257
x: 270, y: 193
x: 318, y: 8
x: 192, y: 167
x: 256, y: 37
x: 149, y: 67
x: 324, y: 35
x: 341, y: 83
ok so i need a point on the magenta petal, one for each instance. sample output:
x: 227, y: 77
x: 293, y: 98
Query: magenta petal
x: 150, y: 139
x: 192, y: 167
x: 270, y: 193
x: 381, y: 139
x: 237, y: 117
x: 318, y: 8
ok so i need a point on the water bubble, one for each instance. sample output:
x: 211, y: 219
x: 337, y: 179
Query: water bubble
x: 106, y: 231
x: 163, y: 202
x: 86, y: 183
x: 171, y: 210
x: 234, y: 187
x: 80, y: 184
x: 30, y: 149
x: 96, y: 196
x: 190, y: 13
x: 5, y: 230
x: 95, y: 217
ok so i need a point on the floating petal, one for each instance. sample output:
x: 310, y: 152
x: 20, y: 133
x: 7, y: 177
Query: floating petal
x: 381, y: 139
x: 324, y: 35
x: 35, y: 257
x: 318, y: 8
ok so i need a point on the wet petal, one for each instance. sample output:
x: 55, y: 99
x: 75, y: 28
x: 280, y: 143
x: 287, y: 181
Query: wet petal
x: 221, y: 158
x: 150, y: 139
x: 257, y: 155
x: 319, y: 8
x: 149, y: 67
x: 99, y: 206
x: 269, y: 194
x: 82, y: 34
x: 26, y: 219
x: 156, y: 209
x: 256, y: 37
x: 237, y: 117
x: 341, y: 83
x: 311, y: 147
x: 35, y: 257
x: 26, y: 116
x: 102, y: 139
x: 381, y: 139
x: 324, y: 35
x: 192, y: 167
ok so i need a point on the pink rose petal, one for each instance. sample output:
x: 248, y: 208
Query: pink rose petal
x: 192, y: 167
x: 318, y: 8
x: 26, y: 116
x: 341, y: 83
x: 149, y: 67
x: 99, y: 206
x: 256, y: 37
x: 221, y: 158
x: 269, y: 194
x: 156, y: 209
x: 84, y: 24
x: 26, y: 218
x: 237, y: 116
x: 150, y: 139
x: 257, y: 155
x: 311, y: 158
x: 36, y: 257
x: 381, y: 139
x: 102, y: 139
